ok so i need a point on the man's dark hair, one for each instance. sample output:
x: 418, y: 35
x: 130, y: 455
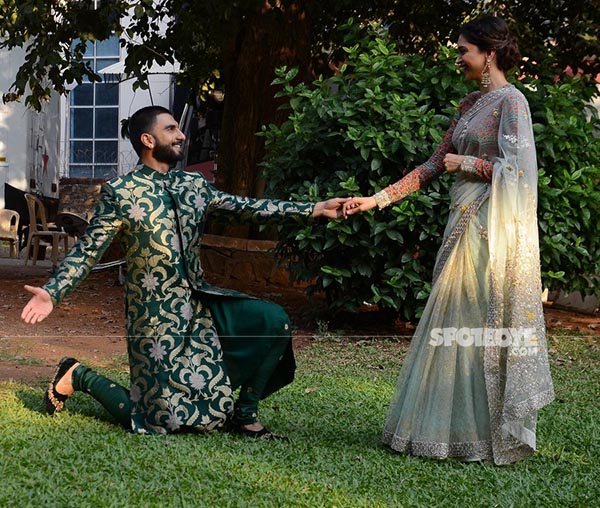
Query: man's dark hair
x: 139, y: 123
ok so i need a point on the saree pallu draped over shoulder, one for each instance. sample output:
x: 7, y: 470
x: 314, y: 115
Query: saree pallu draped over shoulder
x: 477, y: 371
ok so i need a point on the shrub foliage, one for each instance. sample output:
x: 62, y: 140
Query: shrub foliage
x: 379, y: 117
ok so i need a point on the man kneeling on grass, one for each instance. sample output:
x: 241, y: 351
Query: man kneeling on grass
x: 189, y: 344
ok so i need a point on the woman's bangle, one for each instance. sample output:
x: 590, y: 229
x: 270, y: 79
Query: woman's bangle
x: 468, y: 164
x: 382, y: 199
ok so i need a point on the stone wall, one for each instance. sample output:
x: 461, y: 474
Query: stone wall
x: 244, y: 261
x: 575, y: 302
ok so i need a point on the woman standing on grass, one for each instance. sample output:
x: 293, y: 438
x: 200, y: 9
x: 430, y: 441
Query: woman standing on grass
x: 477, y: 371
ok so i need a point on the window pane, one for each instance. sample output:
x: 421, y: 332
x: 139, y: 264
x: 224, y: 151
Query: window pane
x: 107, y: 94
x: 109, y: 47
x: 105, y: 62
x: 105, y: 171
x: 82, y: 122
x: 76, y: 171
x: 94, y: 123
x: 81, y: 151
x: 106, y: 151
x: 82, y: 95
x: 107, y: 123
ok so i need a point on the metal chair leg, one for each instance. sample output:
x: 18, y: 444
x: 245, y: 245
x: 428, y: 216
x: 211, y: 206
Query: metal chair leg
x: 55, y: 240
x: 36, y: 250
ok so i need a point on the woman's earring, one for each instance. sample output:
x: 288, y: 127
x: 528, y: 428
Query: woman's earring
x: 486, y: 79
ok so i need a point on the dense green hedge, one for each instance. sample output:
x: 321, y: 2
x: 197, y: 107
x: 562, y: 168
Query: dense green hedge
x: 379, y: 117
x: 569, y: 198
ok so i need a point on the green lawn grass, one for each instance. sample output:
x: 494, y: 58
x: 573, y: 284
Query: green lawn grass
x: 333, y: 413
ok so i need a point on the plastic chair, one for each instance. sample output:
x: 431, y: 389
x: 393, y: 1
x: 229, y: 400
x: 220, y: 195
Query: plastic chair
x: 9, y: 220
x: 41, y: 232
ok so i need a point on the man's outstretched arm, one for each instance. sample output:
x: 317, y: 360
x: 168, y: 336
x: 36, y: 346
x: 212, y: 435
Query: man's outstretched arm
x: 263, y: 210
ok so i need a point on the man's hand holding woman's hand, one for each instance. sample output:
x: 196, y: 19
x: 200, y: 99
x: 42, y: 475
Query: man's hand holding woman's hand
x: 359, y: 204
x: 330, y: 209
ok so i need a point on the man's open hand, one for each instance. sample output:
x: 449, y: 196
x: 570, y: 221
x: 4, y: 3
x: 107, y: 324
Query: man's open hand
x: 38, y: 307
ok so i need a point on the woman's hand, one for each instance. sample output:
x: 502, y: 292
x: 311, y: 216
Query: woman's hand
x: 452, y: 162
x: 38, y: 307
x: 359, y: 204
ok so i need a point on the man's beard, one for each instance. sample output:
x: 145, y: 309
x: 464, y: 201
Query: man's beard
x: 167, y: 154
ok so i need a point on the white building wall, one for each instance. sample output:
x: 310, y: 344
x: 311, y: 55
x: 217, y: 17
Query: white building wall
x: 43, y: 155
x: 34, y: 146
x: 14, y: 124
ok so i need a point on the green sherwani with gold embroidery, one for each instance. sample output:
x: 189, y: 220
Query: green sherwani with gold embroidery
x: 178, y: 378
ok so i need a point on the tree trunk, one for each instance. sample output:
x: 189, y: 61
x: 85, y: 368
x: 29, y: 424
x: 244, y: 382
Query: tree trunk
x: 274, y: 37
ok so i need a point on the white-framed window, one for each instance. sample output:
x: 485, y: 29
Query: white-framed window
x: 94, y: 117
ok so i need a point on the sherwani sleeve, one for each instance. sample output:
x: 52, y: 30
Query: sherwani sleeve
x: 259, y: 211
x: 80, y: 260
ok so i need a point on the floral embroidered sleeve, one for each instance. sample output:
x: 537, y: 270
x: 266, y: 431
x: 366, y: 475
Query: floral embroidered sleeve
x: 258, y: 211
x: 426, y: 172
x: 419, y: 176
x: 89, y: 249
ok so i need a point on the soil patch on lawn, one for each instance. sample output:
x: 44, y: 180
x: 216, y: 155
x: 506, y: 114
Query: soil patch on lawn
x: 88, y: 325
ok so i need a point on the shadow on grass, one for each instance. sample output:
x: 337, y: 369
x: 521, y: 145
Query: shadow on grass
x: 346, y: 430
x: 33, y: 400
